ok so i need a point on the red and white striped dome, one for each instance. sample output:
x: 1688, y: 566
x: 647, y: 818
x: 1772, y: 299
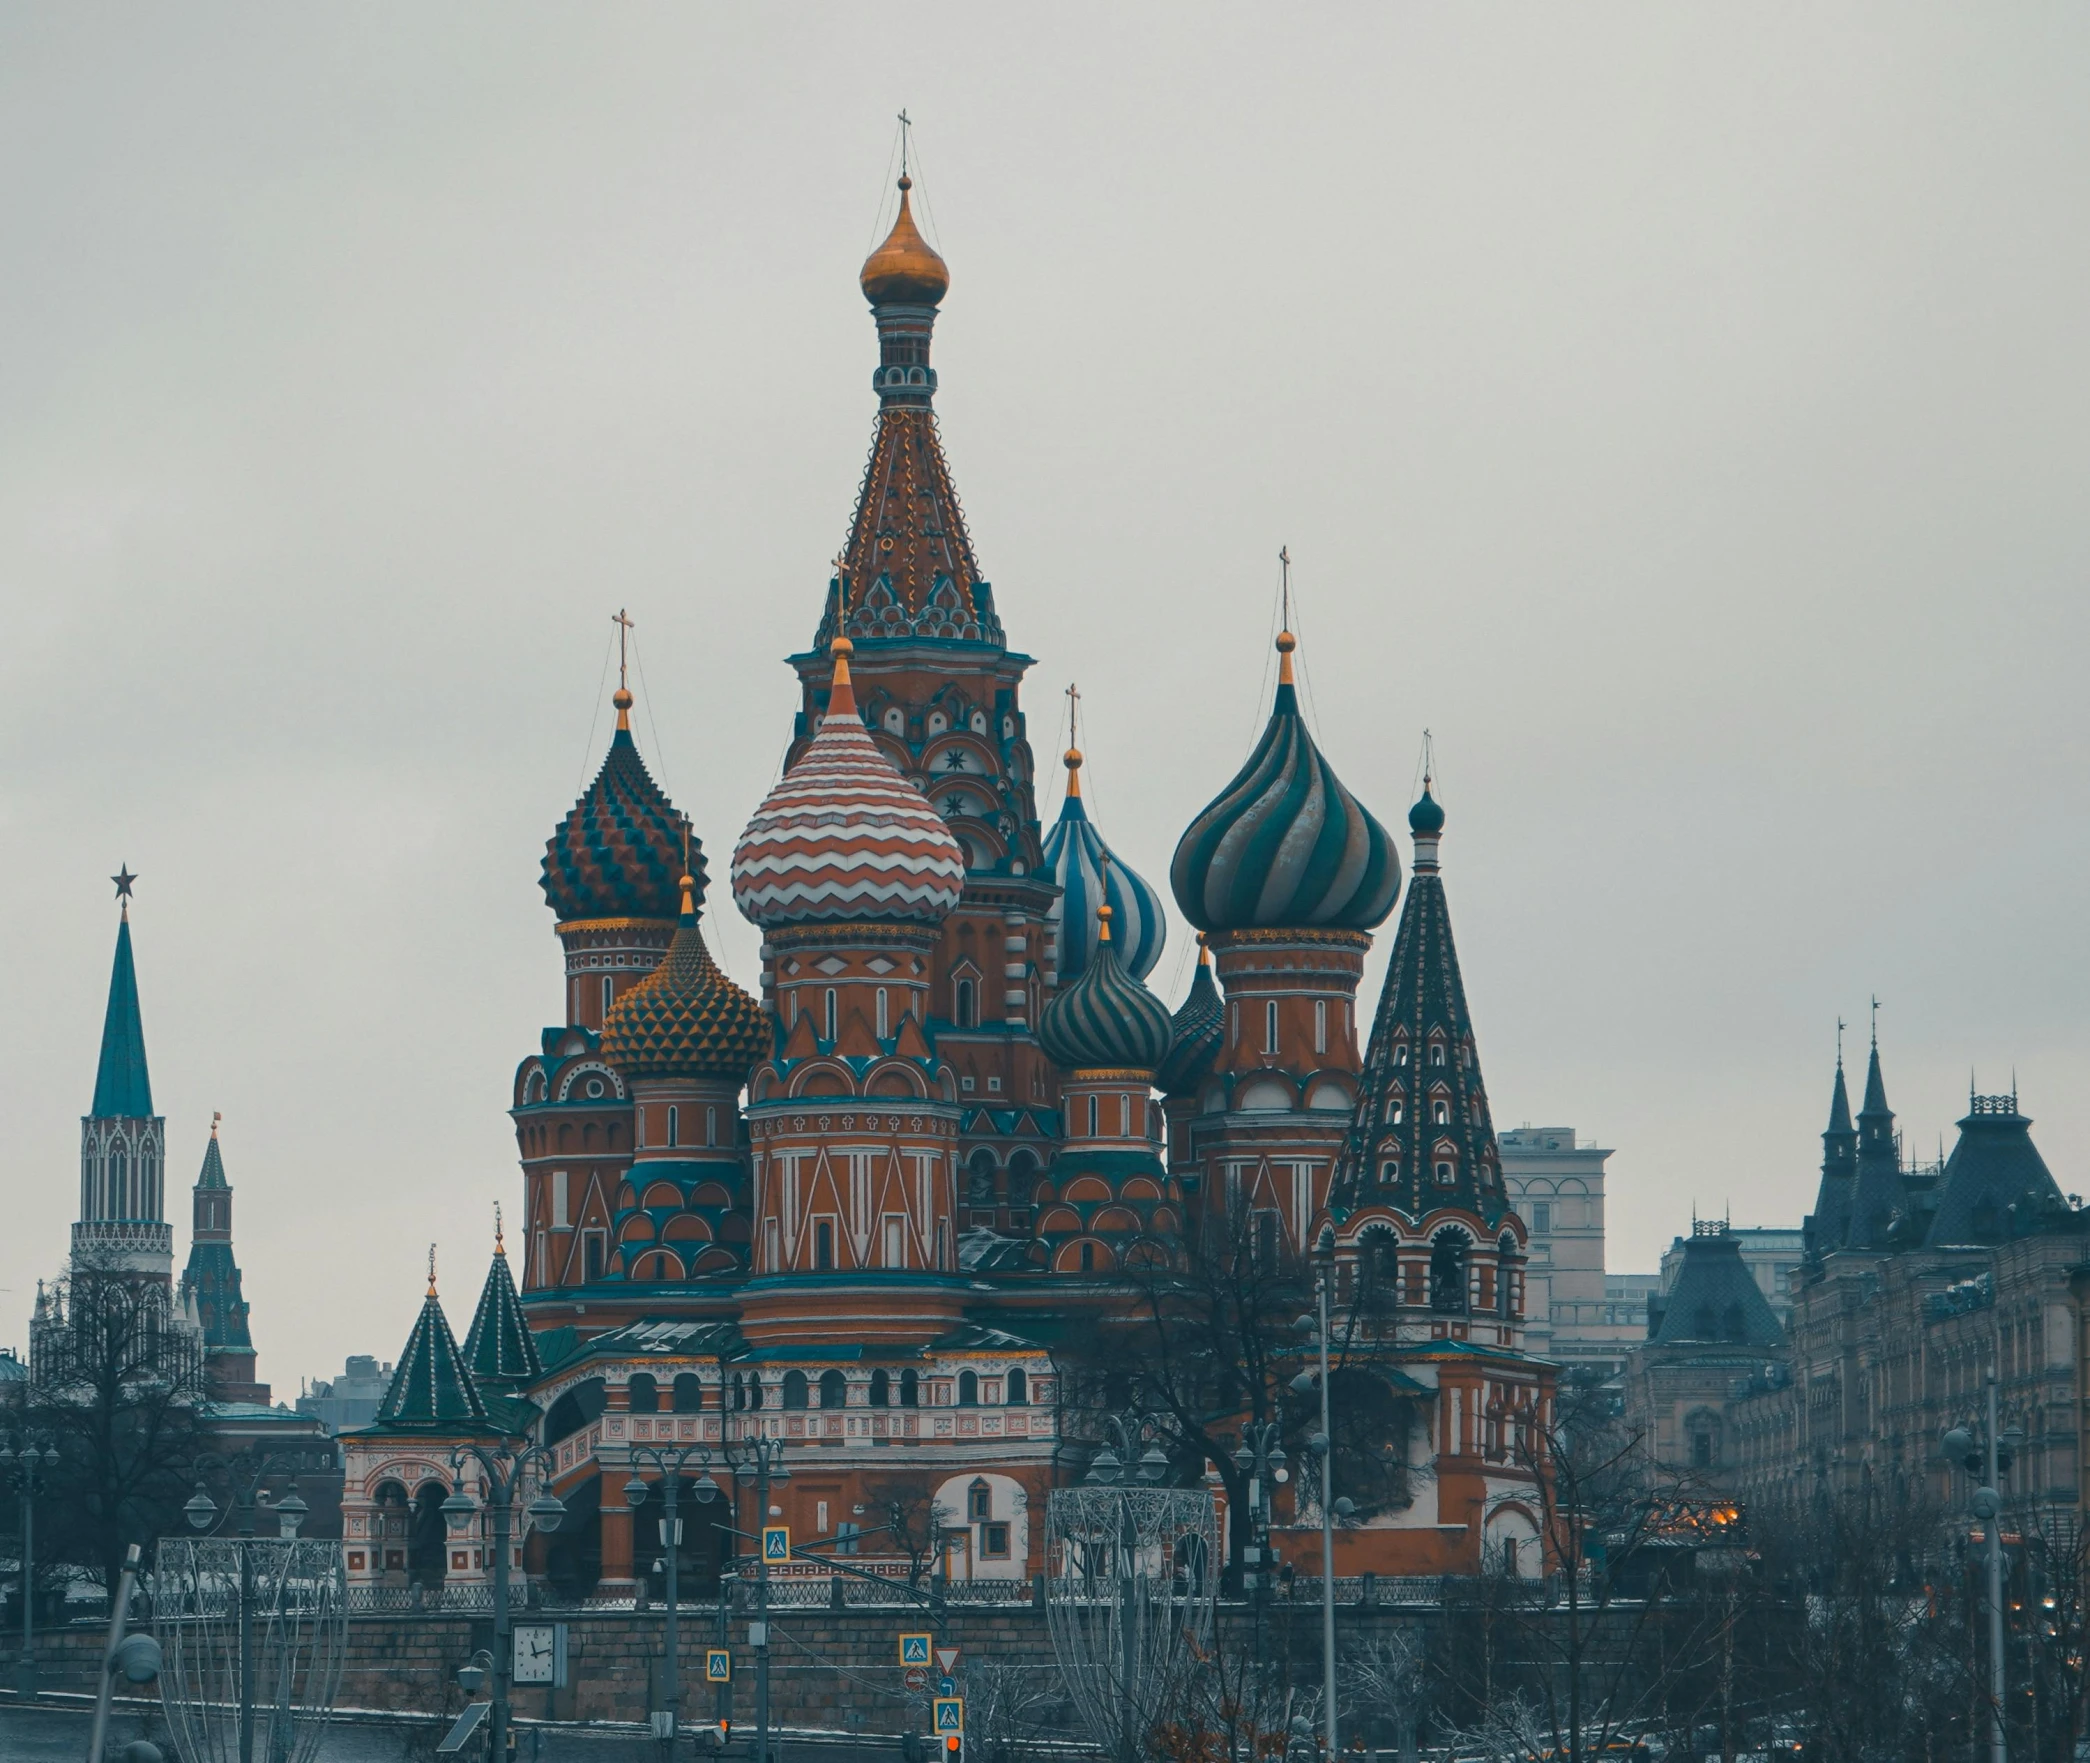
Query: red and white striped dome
x: 843, y: 835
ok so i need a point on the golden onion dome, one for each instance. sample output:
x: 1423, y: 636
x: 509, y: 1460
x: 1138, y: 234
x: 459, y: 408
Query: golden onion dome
x: 905, y: 270
x: 686, y: 1018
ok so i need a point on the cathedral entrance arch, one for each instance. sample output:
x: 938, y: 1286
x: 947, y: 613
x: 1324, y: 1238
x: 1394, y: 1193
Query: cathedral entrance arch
x: 428, y: 1543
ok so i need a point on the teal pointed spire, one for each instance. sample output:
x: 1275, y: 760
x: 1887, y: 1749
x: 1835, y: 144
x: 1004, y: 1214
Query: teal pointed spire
x: 500, y: 1349
x: 430, y: 1389
x: 122, y: 1088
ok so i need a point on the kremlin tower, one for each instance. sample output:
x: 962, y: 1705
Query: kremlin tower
x: 123, y: 1208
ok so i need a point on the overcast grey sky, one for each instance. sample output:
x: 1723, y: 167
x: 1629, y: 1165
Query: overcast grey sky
x: 1680, y: 410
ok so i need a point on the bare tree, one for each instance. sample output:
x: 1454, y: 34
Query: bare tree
x: 117, y: 1382
x: 914, y: 1518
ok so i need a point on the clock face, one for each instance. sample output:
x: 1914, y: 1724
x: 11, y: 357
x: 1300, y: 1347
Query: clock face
x: 533, y: 1655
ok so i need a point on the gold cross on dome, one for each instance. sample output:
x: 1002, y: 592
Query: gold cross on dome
x: 841, y: 567
x: 623, y: 621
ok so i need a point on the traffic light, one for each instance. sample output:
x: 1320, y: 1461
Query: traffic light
x: 953, y: 1745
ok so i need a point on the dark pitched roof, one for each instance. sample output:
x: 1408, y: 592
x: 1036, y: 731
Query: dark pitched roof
x: 500, y: 1348
x: 1716, y: 1299
x: 122, y: 1088
x: 1422, y: 1019
x: 1878, y: 1197
x: 430, y: 1391
x: 212, y: 1174
x: 1828, y: 1225
x: 1996, y: 1184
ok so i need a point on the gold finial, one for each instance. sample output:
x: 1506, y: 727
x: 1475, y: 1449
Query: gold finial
x: 1204, y: 951
x: 1103, y: 905
x: 500, y: 1247
x: 622, y: 699
x: 215, y: 1117
x: 689, y: 880
x: 1286, y: 642
x: 1073, y: 758
x: 431, y: 1270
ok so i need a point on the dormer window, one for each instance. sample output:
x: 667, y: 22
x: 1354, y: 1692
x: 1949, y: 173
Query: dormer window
x: 1400, y: 1054
x: 1440, y: 1113
x: 1447, y: 1172
x: 1437, y: 1053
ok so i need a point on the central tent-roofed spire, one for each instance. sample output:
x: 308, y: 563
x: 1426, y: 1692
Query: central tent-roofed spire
x: 908, y: 554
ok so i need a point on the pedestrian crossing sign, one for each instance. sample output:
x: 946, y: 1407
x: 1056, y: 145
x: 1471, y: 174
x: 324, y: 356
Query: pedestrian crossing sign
x: 776, y: 1542
x: 718, y: 1665
x: 950, y: 1714
x: 914, y: 1649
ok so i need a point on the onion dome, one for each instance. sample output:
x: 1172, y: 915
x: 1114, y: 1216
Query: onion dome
x: 1426, y: 818
x: 1106, y: 1020
x: 905, y: 270
x: 618, y: 854
x: 1088, y: 873
x: 686, y: 1018
x: 843, y: 835
x: 1285, y: 846
x: 1195, y: 1032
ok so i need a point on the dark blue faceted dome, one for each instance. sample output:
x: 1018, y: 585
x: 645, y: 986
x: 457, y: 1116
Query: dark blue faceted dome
x: 1106, y: 1020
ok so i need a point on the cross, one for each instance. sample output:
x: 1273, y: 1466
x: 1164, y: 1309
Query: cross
x: 499, y: 1247
x: 431, y: 1270
x: 841, y: 567
x: 1839, y: 1043
x: 623, y: 623
x: 1284, y: 557
x: 1073, y: 711
x: 905, y: 125
x: 214, y: 1119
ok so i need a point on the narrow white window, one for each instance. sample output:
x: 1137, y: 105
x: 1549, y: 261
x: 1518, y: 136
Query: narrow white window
x: 772, y: 1256
x: 609, y: 993
x: 711, y: 1126
x: 1320, y: 1025
x: 638, y: 1127
x: 1270, y: 1026
x: 1125, y: 1116
x: 560, y: 1217
x: 884, y: 1031
x: 830, y: 1013
x: 895, y: 1241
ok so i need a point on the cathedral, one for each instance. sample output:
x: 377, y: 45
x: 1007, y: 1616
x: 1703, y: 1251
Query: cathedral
x: 865, y: 1212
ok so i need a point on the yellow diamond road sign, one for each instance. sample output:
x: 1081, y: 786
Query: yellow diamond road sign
x: 914, y: 1649
x: 776, y: 1542
x: 718, y: 1665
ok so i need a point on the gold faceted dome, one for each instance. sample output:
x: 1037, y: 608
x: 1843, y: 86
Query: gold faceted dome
x: 905, y: 270
x: 686, y: 1018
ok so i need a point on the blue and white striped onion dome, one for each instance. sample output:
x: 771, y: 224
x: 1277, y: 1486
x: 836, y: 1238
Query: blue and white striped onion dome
x: 1106, y: 1020
x: 1194, y: 1032
x: 1285, y: 846
x: 1076, y: 857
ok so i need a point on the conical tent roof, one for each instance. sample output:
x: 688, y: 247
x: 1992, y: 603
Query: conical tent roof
x: 1996, y: 1185
x: 500, y: 1348
x: 430, y: 1389
x: 1716, y: 1300
x: 122, y: 1087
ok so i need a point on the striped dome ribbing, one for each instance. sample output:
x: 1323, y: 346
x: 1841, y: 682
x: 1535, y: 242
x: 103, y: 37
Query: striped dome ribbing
x: 1075, y: 856
x: 1105, y: 1020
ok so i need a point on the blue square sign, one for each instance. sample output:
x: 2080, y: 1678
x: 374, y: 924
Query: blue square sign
x: 776, y: 1542
x: 950, y: 1714
x: 914, y: 1649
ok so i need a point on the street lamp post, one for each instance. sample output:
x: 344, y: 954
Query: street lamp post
x: 1261, y: 1458
x: 1991, y: 1450
x: 670, y: 1464
x: 27, y: 1469
x: 204, y: 1515
x: 502, y: 1467
x: 1119, y: 1463
x: 758, y: 1462
x: 1322, y: 1445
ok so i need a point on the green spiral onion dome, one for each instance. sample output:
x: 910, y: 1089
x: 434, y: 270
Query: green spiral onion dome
x: 1285, y: 846
x: 618, y: 853
x: 686, y: 1018
x: 1106, y: 1020
x: 1195, y: 1032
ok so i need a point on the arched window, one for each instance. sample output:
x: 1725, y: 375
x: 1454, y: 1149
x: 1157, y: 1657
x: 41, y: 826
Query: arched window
x: 1440, y: 1113
x: 884, y: 1030
x: 1270, y: 1026
x: 979, y: 1501
x: 1505, y: 1276
x: 609, y: 993
x: 796, y: 1389
x: 881, y: 1389
x: 645, y: 1394
x: 824, y: 1246
x: 754, y: 1390
x: 1448, y: 1273
x: 963, y: 1004
x: 1018, y: 1388
x: 980, y: 1178
x: 1400, y: 1054
x: 910, y: 1390
x: 689, y: 1394
x: 968, y: 1390
x: 674, y: 1125
x: 1093, y: 1128
x: 119, y: 1182
x: 831, y: 1013
x: 834, y: 1390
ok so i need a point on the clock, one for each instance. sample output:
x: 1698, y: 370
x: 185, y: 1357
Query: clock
x: 536, y: 1649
